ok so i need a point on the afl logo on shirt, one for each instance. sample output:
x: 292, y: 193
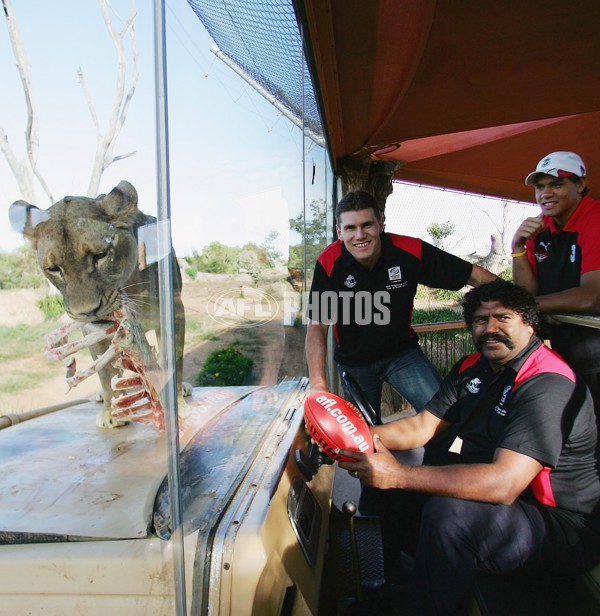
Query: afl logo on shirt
x: 394, y: 273
x: 473, y: 385
x: 350, y: 282
x: 499, y: 408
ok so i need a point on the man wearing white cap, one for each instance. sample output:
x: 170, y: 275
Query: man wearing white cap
x: 556, y: 256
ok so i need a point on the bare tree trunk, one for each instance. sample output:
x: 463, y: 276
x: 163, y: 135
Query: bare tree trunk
x: 20, y: 170
x: 26, y: 172
x: 23, y: 174
x: 106, y: 142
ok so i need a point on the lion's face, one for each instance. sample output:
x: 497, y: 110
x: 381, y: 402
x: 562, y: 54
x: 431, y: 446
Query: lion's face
x: 87, y: 248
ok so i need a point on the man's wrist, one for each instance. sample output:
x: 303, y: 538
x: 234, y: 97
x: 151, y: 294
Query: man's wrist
x: 318, y: 384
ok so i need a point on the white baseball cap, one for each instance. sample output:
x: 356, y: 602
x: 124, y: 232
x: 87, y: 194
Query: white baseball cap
x: 560, y: 165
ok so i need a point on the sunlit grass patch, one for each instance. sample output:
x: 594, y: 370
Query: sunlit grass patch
x: 23, y: 340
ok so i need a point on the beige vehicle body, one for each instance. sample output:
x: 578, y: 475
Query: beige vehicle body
x: 84, y: 520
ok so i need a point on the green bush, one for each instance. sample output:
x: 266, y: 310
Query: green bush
x: 20, y: 270
x: 53, y: 306
x: 446, y: 295
x: 226, y: 366
x: 436, y: 315
x: 507, y: 274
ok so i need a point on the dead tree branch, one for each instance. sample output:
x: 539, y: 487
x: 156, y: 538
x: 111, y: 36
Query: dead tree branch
x: 121, y: 99
x: 20, y: 171
x: 26, y: 171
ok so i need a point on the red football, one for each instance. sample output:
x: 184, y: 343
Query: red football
x: 336, y: 423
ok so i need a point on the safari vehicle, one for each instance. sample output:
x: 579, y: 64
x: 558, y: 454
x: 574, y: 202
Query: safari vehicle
x: 270, y: 525
x: 239, y: 513
x: 86, y: 523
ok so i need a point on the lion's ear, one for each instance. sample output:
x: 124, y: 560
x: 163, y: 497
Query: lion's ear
x: 121, y: 199
x: 24, y: 217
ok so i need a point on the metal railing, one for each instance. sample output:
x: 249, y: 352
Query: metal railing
x: 444, y: 343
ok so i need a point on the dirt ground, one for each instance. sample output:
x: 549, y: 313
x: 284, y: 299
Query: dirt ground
x: 275, y: 344
x: 277, y: 349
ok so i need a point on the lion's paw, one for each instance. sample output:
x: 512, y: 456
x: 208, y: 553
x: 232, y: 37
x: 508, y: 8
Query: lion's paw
x: 183, y: 411
x: 105, y: 420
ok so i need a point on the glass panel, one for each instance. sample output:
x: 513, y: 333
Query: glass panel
x: 236, y: 185
x: 79, y: 478
x: 250, y: 203
x: 319, y: 224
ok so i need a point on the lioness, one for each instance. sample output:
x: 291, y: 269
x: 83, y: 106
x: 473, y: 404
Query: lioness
x: 88, y: 249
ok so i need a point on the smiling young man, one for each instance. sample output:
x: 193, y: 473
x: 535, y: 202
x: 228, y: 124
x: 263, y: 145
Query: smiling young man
x: 510, y: 469
x: 364, y: 285
x: 556, y: 256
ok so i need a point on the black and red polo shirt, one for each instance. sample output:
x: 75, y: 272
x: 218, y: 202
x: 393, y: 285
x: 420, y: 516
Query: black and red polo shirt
x: 371, y: 310
x: 534, y: 406
x: 559, y: 257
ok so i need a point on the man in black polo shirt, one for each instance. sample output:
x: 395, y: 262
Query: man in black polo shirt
x: 556, y: 256
x: 364, y: 285
x: 510, y: 471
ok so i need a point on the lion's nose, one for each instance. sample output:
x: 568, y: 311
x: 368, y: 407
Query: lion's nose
x: 85, y: 311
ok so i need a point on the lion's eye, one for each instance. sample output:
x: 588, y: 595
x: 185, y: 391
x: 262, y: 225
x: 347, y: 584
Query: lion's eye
x: 54, y: 272
x: 101, y: 256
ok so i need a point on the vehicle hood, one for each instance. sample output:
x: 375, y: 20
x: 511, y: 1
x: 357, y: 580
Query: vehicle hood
x: 63, y: 478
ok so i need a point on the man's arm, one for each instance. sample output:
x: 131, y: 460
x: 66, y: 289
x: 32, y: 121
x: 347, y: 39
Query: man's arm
x: 316, y: 354
x: 584, y: 298
x: 480, y: 275
x: 523, y: 275
x: 410, y: 432
x: 500, y: 482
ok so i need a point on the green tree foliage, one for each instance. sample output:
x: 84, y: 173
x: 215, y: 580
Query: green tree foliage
x: 252, y: 259
x: 216, y: 258
x: 314, y: 232
x: 440, y: 231
x: 273, y: 255
x: 224, y: 367
x: 20, y: 270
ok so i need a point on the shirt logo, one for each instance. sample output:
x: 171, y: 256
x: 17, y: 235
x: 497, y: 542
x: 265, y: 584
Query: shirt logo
x: 572, y: 256
x: 543, y: 251
x: 473, y: 385
x: 350, y: 281
x: 499, y: 408
x: 394, y: 273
